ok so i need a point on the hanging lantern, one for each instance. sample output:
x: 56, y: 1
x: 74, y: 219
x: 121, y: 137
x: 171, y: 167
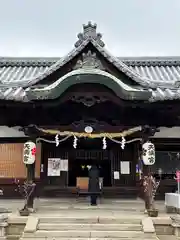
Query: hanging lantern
x: 148, y: 153
x: 29, y: 152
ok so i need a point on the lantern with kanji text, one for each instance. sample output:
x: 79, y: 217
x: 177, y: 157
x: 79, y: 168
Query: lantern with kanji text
x: 29, y: 152
x: 148, y: 153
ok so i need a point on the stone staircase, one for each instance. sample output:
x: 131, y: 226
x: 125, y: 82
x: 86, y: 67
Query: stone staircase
x: 85, y: 228
x: 108, y: 192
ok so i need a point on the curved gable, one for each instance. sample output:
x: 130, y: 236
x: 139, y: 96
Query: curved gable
x: 56, y: 89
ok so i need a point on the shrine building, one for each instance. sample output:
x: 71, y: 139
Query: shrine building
x: 89, y: 107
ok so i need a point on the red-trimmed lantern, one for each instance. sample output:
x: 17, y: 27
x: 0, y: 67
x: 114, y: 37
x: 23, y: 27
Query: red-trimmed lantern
x: 29, y: 152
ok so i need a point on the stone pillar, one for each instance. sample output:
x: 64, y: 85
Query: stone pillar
x: 3, y: 226
x: 176, y: 225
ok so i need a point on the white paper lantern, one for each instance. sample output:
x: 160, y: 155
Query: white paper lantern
x: 29, y: 152
x: 148, y: 153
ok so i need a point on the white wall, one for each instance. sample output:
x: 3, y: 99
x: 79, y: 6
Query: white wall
x: 7, y: 132
x: 173, y: 132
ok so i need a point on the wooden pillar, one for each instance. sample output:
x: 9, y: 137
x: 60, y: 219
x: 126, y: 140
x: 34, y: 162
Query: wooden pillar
x: 32, y: 134
x: 147, y: 132
x: 30, y: 188
x: 30, y: 179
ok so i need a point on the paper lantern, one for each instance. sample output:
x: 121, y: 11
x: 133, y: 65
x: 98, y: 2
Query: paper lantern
x: 148, y: 153
x: 29, y: 153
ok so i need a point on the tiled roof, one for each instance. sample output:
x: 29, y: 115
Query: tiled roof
x: 18, y: 70
x: 160, y: 75
x: 13, y: 71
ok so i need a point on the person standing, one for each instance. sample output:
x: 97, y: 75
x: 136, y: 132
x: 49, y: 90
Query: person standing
x: 93, y: 186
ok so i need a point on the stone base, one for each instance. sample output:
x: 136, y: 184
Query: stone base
x: 172, y: 210
x: 163, y: 226
x: 172, y: 202
x: 3, y: 226
x: 176, y: 225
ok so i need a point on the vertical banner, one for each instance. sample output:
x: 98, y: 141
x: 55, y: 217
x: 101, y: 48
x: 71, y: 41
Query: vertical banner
x: 54, y: 167
x: 125, y: 167
x: 116, y: 175
x: 64, y: 165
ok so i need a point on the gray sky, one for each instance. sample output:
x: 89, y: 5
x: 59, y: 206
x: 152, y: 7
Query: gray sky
x: 129, y: 27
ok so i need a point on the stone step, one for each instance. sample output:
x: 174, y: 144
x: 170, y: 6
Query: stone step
x: 89, y: 227
x: 90, y: 220
x: 59, y: 238
x: 13, y: 237
x: 86, y: 234
x: 167, y: 237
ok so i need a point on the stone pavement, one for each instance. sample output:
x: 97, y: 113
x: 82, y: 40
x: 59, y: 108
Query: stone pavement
x: 167, y: 237
x: 45, y: 206
x: 107, y: 209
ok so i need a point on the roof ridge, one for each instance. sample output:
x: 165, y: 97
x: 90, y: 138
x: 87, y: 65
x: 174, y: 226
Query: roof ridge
x: 150, y: 57
x: 129, y: 61
x: 26, y: 58
x: 27, y: 62
x: 143, y: 58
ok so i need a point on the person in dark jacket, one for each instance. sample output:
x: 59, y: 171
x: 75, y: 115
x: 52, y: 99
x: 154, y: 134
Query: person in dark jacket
x: 93, y: 187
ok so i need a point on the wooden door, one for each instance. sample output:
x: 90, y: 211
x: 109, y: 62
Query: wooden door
x: 80, y: 157
x: 118, y: 157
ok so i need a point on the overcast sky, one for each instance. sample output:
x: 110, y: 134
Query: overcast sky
x: 129, y: 27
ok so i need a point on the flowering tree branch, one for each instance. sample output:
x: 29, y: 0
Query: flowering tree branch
x: 150, y: 188
x: 26, y: 190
